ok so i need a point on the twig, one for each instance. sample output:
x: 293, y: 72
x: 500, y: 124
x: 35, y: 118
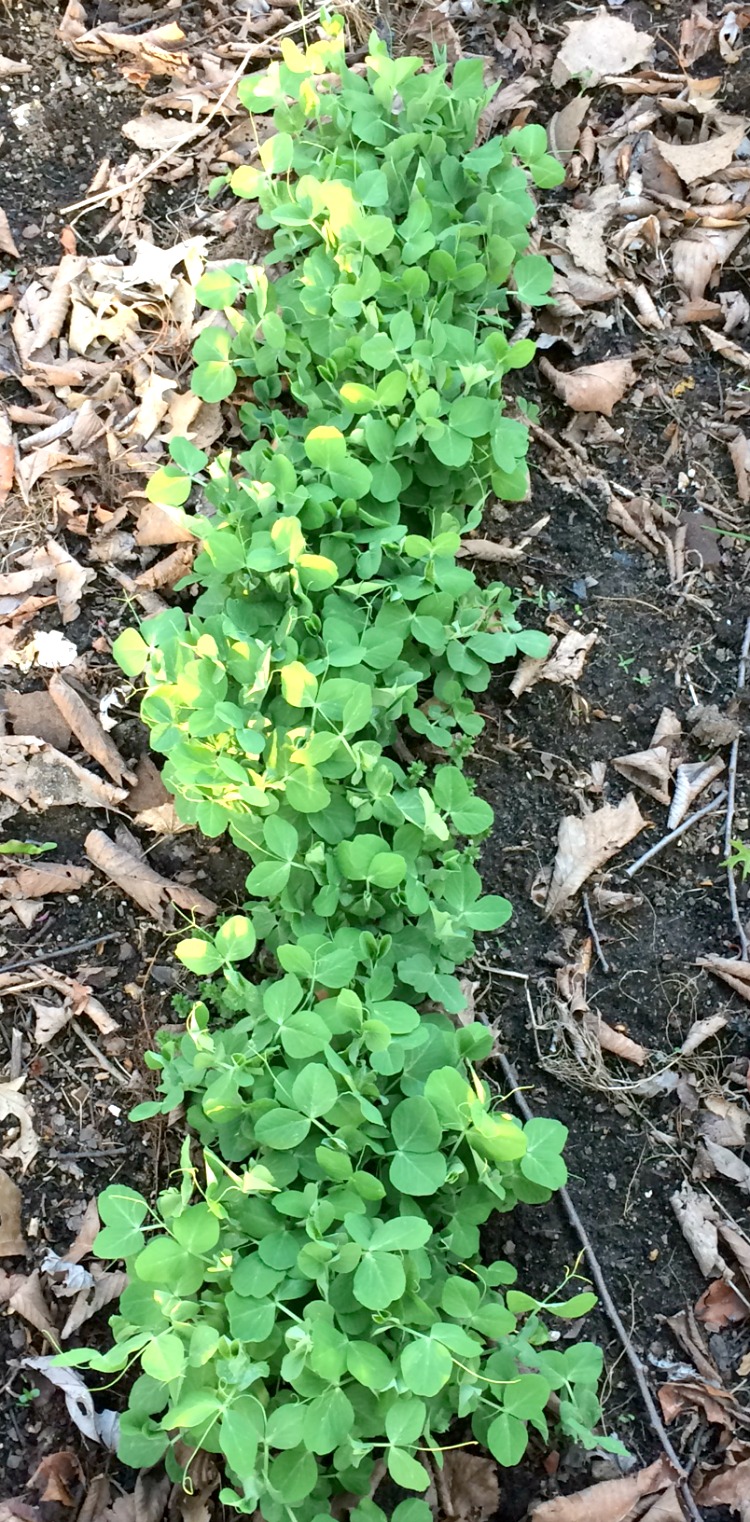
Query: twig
x: 41, y: 956
x: 124, y: 1081
x: 198, y: 130
x: 686, y: 1497
x: 708, y: 808
x: 731, y: 790
x: 594, y: 934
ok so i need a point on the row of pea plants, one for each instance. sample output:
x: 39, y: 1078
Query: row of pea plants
x: 310, y: 1297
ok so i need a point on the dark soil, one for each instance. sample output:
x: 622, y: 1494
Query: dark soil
x: 625, y: 1159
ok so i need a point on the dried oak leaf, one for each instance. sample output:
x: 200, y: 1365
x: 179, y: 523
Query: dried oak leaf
x: 585, y: 844
x: 611, y: 1501
x: 602, y: 44
x: 649, y: 770
x: 141, y: 883
x: 42, y: 878
x: 15, y: 1107
x: 58, y: 1478
x: 592, y: 388
x: 87, y: 729
x: 681, y: 1395
x: 36, y: 776
x: 471, y: 1484
x: 729, y: 1488
x: 563, y: 665
x: 12, y: 1244
x: 701, y: 161
x: 720, y: 1306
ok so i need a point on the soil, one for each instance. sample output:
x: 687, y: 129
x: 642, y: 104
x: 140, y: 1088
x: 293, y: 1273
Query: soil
x: 654, y: 648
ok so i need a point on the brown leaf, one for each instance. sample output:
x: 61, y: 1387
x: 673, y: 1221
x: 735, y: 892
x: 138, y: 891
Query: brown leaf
x: 739, y: 450
x: 470, y: 1484
x: 161, y: 525
x: 7, y: 455
x: 148, y: 790
x: 54, y: 310
x: 680, y: 1396
x: 731, y: 971
x: 729, y: 1488
x: 700, y: 1031
x: 711, y: 1158
x: 738, y: 1245
x: 58, y: 1478
x: 592, y: 388
x: 27, y: 1300
x: 565, y: 127
x: 34, y: 714
x: 15, y: 1107
x: 697, y: 254
x: 36, y: 776
x: 163, y: 820
x: 649, y: 770
x: 611, y: 1501
x: 725, y: 1123
x: 712, y: 727
x: 585, y: 844
x: 7, y: 245
x: 164, y: 573
x: 42, y: 878
x: 620, y: 1045
x: 727, y: 348
x: 720, y: 1306
x: 666, y: 1508
x: 12, y: 1244
x: 107, y: 1287
x: 601, y: 44
x: 87, y: 729
x: 136, y: 878
x: 563, y: 665
x: 698, y: 1225
x: 73, y: 23
x: 87, y: 1231
x: 701, y: 161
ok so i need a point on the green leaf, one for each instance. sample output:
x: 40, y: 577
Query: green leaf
x: 577, y: 1305
x: 527, y: 1396
x: 406, y: 1471
x: 325, y: 446
x: 369, y: 1365
x: 379, y: 1280
x: 426, y: 1366
x: 418, y: 1173
x: 328, y: 1421
x: 405, y: 1420
x: 164, y: 1357
x: 26, y: 847
x: 217, y: 289
x: 403, y: 1233
x: 285, y: 1425
x: 533, y: 276
x: 415, y: 1126
x: 235, y: 940
x: 293, y: 1476
x: 123, y: 1211
x: 277, y: 153
x: 168, y: 486
x: 130, y: 652
x: 298, y: 685
x: 282, y: 1129
x: 238, y: 1436
x: 314, y: 1090
x: 506, y: 1439
x: 199, y: 956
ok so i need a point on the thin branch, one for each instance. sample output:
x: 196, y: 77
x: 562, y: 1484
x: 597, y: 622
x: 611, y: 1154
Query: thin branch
x: 604, y: 964
x: 731, y: 790
x: 41, y: 956
x: 686, y: 1498
x: 708, y: 808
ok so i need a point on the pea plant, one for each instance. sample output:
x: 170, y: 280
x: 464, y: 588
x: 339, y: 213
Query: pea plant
x: 309, y: 1296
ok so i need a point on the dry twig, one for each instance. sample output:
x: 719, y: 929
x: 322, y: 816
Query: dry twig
x: 708, y: 808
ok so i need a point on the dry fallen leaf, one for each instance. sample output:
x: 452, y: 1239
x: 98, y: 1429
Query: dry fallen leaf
x: 681, y: 1395
x: 723, y: 1121
x: 145, y: 886
x: 469, y: 1486
x: 697, y: 254
x: 7, y: 244
x: 563, y: 665
x: 702, y: 1030
x: 41, y: 878
x: 720, y: 1306
x: 701, y: 161
x: 592, y: 388
x: 99, y: 1426
x: 107, y: 1287
x: 649, y: 770
x: 611, y: 1501
x: 161, y: 525
x: 565, y: 126
x: 585, y: 844
x: 727, y: 348
x: 27, y: 1300
x: 739, y: 450
x: 601, y: 44
x: 36, y: 776
x: 58, y: 1478
x: 731, y: 971
x: 12, y: 1244
x: 34, y: 713
x: 696, y: 1218
x: 729, y: 1488
x: 711, y: 1158
x: 87, y: 729
x: 15, y: 1107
